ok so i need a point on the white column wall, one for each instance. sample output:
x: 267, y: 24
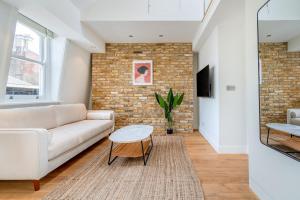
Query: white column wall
x: 74, y: 75
x: 209, y: 111
x: 233, y: 138
x: 58, y: 49
x: 222, y: 117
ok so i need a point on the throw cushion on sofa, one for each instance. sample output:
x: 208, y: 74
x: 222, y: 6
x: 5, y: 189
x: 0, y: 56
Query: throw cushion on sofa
x: 70, y: 113
x: 31, y: 117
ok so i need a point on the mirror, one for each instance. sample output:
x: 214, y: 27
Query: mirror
x: 279, y: 75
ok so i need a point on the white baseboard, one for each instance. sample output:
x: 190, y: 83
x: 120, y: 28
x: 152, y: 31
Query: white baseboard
x: 210, y: 140
x: 258, y: 190
x: 232, y: 149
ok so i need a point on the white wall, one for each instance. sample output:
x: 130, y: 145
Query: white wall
x: 294, y: 44
x: 273, y: 176
x: 75, y: 75
x: 58, y: 49
x: 231, y: 60
x: 222, y: 117
x: 209, y: 107
x: 8, y: 17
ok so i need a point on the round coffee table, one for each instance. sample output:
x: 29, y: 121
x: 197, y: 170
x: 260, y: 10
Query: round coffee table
x: 285, y: 128
x: 132, y: 142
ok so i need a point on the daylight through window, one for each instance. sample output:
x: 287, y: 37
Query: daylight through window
x: 26, y: 78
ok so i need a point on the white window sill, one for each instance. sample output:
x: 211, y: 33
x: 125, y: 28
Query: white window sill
x: 18, y: 104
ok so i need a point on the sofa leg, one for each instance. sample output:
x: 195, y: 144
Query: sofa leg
x: 36, y: 185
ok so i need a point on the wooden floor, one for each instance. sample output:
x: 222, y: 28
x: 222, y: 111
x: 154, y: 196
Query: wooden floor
x: 222, y: 176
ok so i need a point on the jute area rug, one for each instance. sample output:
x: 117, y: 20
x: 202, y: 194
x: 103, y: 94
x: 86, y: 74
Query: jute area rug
x: 168, y: 175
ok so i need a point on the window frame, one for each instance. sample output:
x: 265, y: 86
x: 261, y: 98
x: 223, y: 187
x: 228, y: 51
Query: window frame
x: 45, y: 50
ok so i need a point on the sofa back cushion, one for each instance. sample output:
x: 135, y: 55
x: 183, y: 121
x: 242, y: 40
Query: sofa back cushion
x: 69, y: 113
x: 30, y: 117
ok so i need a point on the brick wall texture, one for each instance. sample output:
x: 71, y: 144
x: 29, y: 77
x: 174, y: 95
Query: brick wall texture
x: 112, y: 83
x: 280, y: 88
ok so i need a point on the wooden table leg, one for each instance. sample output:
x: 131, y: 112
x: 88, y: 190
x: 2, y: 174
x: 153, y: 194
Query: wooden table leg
x: 36, y: 185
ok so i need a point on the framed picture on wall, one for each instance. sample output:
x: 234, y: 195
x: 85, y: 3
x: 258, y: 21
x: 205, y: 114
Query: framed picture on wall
x: 142, y: 72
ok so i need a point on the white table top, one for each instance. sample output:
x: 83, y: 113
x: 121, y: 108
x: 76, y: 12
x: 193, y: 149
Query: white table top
x: 287, y: 128
x: 132, y: 133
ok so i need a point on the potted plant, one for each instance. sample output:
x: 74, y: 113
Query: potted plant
x: 169, y: 105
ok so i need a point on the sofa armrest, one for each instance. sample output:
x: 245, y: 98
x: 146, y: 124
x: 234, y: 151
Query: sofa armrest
x: 23, y: 154
x: 100, y: 115
x: 292, y: 113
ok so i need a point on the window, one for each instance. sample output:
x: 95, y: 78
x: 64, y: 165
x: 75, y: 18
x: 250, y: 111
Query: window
x: 29, y: 61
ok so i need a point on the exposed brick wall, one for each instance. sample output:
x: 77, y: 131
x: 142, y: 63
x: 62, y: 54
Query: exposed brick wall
x: 113, y: 89
x: 280, y: 89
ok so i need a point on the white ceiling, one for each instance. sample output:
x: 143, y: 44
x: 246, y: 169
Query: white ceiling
x: 83, y: 4
x: 276, y: 10
x: 145, y: 32
x: 280, y: 31
x: 92, y: 23
x: 115, y: 20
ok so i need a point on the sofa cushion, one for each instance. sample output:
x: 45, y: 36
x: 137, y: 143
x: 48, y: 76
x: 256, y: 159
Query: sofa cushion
x: 295, y: 121
x: 69, y: 113
x: 30, y: 117
x: 71, y: 135
x: 100, y: 114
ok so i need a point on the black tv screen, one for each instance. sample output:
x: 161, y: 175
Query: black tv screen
x: 203, y: 82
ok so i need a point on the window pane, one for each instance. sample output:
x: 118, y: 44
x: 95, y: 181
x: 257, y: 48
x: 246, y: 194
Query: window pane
x: 24, y: 78
x: 27, y: 43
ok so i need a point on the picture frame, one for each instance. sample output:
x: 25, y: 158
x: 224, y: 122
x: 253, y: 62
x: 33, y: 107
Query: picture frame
x: 142, y: 72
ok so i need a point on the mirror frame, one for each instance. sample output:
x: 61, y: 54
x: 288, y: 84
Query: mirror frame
x: 259, y: 88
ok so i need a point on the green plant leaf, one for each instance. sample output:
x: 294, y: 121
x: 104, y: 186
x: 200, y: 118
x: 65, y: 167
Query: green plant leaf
x: 156, y: 96
x: 170, y: 95
x: 160, y: 100
x: 180, y: 99
x: 167, y: 112
x: 170, y: 99
x: 175, y: 102
x: 171, y: 103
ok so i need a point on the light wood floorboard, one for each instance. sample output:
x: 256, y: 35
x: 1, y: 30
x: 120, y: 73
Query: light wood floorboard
x: 222, y: 176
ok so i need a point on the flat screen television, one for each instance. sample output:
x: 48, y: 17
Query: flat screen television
x: 203, y: 83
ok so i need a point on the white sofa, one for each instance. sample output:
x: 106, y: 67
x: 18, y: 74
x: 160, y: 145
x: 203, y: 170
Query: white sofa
x: 293, y: 116
x: 36, y: 140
